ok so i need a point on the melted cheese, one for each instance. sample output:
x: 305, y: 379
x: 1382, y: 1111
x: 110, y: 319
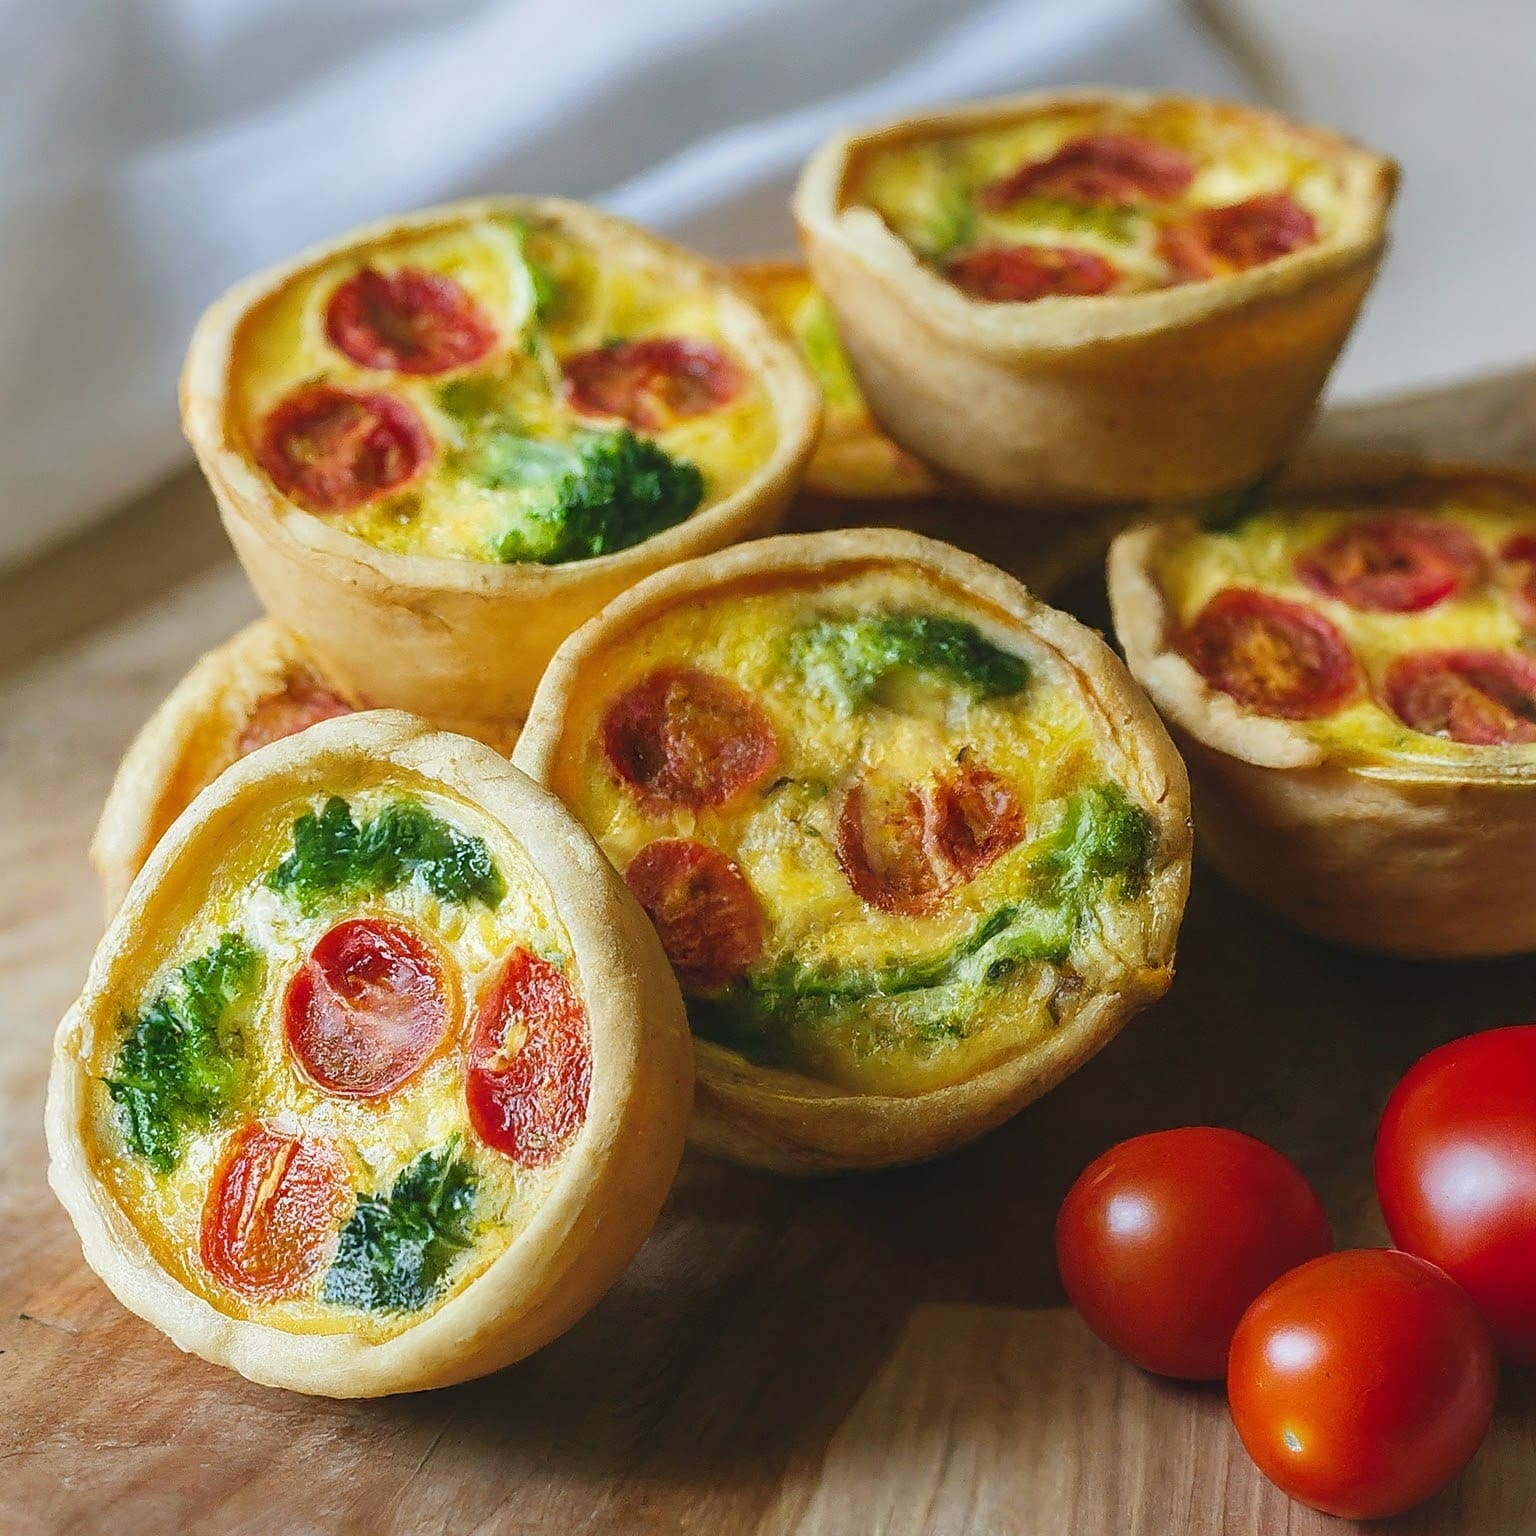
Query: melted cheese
x: 1261, y: 552
x: 382, y: 1136
x: 447, y: 512
x: 1044, y: 742
x: 925, y: 188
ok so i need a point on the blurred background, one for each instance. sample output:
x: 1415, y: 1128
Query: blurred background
x: 153, y: 151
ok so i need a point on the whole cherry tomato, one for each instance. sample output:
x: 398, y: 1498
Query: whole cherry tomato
x: 1362, y: 1382
x: 1165, y: 1240
x: 1456, y: 1174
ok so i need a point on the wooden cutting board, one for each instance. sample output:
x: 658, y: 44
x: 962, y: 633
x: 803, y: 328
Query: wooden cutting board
x: 877, y: 1354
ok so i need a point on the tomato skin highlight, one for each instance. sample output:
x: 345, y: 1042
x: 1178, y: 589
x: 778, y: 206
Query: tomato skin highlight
x: 1456, y: 1174
x: 1393, y: 564
x: 1363, y: 1382
x: 273, y: 1211
x: 1020, y: 274
x: 1165, y: 1240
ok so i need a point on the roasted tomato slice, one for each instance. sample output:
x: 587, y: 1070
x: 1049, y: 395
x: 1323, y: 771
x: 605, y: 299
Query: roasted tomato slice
x: 685, y: 737
x: 1519, y: 551
x: 331, y: 451
x: 1479, y: 698
x: 368, y: 1008
x: 530, y: 1063
x: 1099, y: 168
x: 1237, y: 236
x: 1273, y: 656
x: 903, y: 850
x: 407, y: 321
x: 1394, y: 564
x: 1017, y: 274
x: 273, y: 1211
x: 708, y: 916
x: 303, y: 701
x: 652, y: 382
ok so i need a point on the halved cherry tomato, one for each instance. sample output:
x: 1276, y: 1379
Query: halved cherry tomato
x: 1362, y: 1382
x: 331, y: 451
x: 708, y: 916
x: 685, y: 737
x: 1456, y: 1174
x: 301, y: 702
x: 408, y: 321
x: 653, y: 382
x: 1277, y: 657
x: 1099, y: 168
x: 530, y: 1063
x: 368, y: 1008
x: 1520, y: 551
x: 1166, y: 1239
x: 903, y: 849
x: 1479, y: 698
x: 1395, y: 564
x: 273, y: 1211
x: 1237, y: 236
x: 1018, y: 274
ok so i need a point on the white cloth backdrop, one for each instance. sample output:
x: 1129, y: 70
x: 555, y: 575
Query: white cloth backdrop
x: 152, y: 151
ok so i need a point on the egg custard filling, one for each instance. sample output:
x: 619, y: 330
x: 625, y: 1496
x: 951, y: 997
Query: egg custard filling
x: 346, y: 1078
x: 884, y: 840
x: 493, y: 389
x: 1100, y: 197
x: 1391, y: 624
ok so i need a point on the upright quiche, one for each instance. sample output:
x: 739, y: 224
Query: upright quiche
x: 379, y: 1076
x: 440, y: 443
x: 1350, y: 668
x: 1089, y: 297
x: 914, y: 842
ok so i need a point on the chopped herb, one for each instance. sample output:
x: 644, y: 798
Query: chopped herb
x: 1103, y: 837
x: 951, y: 223
x: 472, y: 400
x: 850, y: 659
x: 546, y: 290
x: 332, y: 855
x: 1115, y: 222
x: 182, y: 1063
x: 396, y: 1249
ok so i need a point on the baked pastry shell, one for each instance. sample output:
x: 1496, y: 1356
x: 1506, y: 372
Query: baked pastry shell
x: 464, y: 641
x: 789, y: 1123
x: 611, y: 1182
x: 1177, y: 392
x: 1428, y: 860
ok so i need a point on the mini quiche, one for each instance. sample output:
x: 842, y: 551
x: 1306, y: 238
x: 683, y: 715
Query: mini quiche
x: 440, y: 443
x: 1094, y: 296
x: 1350, y: 668
x: 914, y: 842
x: 379, y: 1076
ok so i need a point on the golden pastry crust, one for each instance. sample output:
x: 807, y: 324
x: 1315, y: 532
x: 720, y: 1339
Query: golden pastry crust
x: 193, y: 736
x: 1426, y: 858
x: 609, y: 1184
x: 791, y: 1123
x: 1175, y: 392
x: 463, y: 641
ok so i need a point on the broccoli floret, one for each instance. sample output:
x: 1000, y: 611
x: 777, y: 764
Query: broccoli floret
x: 1103, y: 837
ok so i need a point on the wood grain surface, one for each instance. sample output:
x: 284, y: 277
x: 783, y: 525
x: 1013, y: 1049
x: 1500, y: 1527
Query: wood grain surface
x: 876, y: 1354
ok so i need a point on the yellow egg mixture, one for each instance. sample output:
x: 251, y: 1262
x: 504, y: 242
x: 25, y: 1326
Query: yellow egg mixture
x: 447, y: 512
x: 1044, y: 742
x: 926, y: 189
x: 1260, y: 552
x: 382, y: 1135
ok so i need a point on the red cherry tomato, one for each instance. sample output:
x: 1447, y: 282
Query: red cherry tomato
x: 330, y: 451
x: 301, y: 702
x: 1099, y: 168
x: 1276, y: 657
x: 1393, y: 564
x: 1362, y: 1382
x: 273, y: 1211
x: 530, y: 1063
x: 1479, y: 698
x: 1236, y: 236
x: 1019, y: 274
x: 1456, y: 1174
x: 653, y: 382
x: 407, y: 321
x: 368, y: 1007
x: 706, y: 913
x: 1519, y: 551
x: 1164, y: 1241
